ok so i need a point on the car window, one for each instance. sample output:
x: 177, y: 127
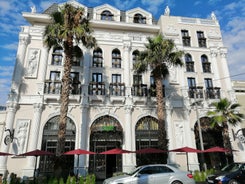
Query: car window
x: 231, y: 167
x: 243, y: 167
x: 165, y: 169
x: 146, y: 170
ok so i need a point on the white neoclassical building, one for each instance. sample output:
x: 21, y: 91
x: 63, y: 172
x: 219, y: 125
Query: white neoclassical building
x: 110, y: 106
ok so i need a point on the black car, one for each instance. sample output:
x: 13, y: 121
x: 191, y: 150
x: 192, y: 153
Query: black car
x: 231, y: 174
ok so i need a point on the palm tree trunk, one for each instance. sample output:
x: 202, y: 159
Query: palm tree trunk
x: 227, y: 143
x: 65, y: 92
x: 162, y: 136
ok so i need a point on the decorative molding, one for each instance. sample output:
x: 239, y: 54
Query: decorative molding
x: 32, y: 63
x: 21, y: 135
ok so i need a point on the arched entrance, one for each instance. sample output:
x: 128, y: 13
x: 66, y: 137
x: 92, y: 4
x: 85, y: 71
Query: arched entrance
x: 49, y: 143
x: 106, y: 134
x: 146, y: 132
x: 211, y: 137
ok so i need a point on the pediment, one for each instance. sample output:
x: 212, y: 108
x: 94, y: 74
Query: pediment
x: 139, y: 10
x: 108, y: 7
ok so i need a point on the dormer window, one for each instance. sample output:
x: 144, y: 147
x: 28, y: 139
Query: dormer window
x: 107, y: 15
x: 138, y: 18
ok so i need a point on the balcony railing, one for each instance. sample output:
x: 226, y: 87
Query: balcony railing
x: 139, y: 90
x: 96, y: 88
x: 117, y: 89
x: 54, y: 87
x: 210, y: 93
x: 195, y: 90
x: 213, y: 93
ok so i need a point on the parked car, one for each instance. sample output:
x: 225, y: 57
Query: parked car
x: 231, y: 174
x: 153, y: 174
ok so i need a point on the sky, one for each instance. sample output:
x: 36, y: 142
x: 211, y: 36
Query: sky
x: 230, y: 14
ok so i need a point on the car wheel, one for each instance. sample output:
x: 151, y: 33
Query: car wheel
x: 176, y: 182
x: 233, y: 182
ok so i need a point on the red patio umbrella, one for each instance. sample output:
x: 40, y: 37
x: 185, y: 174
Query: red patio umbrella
x: 186, y: 150
x: 78, y: 152
x: 149, y: 150
x: 115, y: 151
x: 217, y: 149
x: 5, y: 154
x: 36, y: 153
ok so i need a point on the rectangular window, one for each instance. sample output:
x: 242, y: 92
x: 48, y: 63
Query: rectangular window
x: 192, y: 86
x: 201, y: 39
x: 186, y: 39
x: 97, y: 77
x: 116, y: 78
x: 137, y: 79
x: 54, y: 75
x: 75, y: 86
x: 191, y: 82
x: 208, y: 83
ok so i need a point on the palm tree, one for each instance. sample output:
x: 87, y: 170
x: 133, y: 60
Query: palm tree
x: 69, y: 27
x: 225, y: 113
x: 160, y: 54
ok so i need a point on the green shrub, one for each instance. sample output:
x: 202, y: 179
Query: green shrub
x: 200, y: 176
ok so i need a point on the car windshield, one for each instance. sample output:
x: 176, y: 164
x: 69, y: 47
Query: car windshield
x: 134, y: 171
x: 231, y: 167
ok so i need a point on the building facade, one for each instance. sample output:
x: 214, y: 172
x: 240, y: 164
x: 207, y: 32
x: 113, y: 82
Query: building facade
x: 111, y: 106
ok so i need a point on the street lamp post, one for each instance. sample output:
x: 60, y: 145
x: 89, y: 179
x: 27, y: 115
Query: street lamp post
x: 200, y: 131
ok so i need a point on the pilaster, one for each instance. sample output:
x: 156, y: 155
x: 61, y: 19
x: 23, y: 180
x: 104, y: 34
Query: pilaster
x: 11, y: 110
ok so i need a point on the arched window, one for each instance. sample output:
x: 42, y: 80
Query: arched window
x: 49, y: 143
x: 76, y: 56
x: 138, y: 18
x: 135, y: 54
x: 206, y: 66
x: 116, y: 58
x: 189, y: 63
x: 146, y: 132
x: 106, y: 134
x: 57, y: 56
x: 97, y: 58
x: 106, y: 15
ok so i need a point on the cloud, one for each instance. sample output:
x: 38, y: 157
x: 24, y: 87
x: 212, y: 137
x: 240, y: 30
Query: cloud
x: 234, y: 37
x: 154, y: 6
x: 11, y: 46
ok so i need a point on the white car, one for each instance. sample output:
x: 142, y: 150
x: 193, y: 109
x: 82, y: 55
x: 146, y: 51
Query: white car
x: 153, y: 174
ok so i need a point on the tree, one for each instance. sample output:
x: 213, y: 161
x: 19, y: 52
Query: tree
x: 68, y: 28
x: 225, y: 113
x: 160, y: 54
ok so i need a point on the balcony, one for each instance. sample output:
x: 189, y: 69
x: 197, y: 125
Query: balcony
x: 202, y: 42
x: 52, y: 87
x: 117, y: 89
x: 186, y: 41
x: 195, y: 90
x: 139, y: 90
x: 210, y: 93
x: 213, y: 93
x: 190, y: 66
x: 96, y: 88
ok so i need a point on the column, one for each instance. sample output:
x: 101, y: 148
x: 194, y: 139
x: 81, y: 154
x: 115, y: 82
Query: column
x: 43, y: 69
x: 224, y: 68
x: 82, y: 140
x: 126, y: 63
x: 34, y: 133
x: 215, y: 64
x: 11, y: 110
x: 169, y: 128
x: 86, y: 72
x: 24, y: 40
x: 128, y: 163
